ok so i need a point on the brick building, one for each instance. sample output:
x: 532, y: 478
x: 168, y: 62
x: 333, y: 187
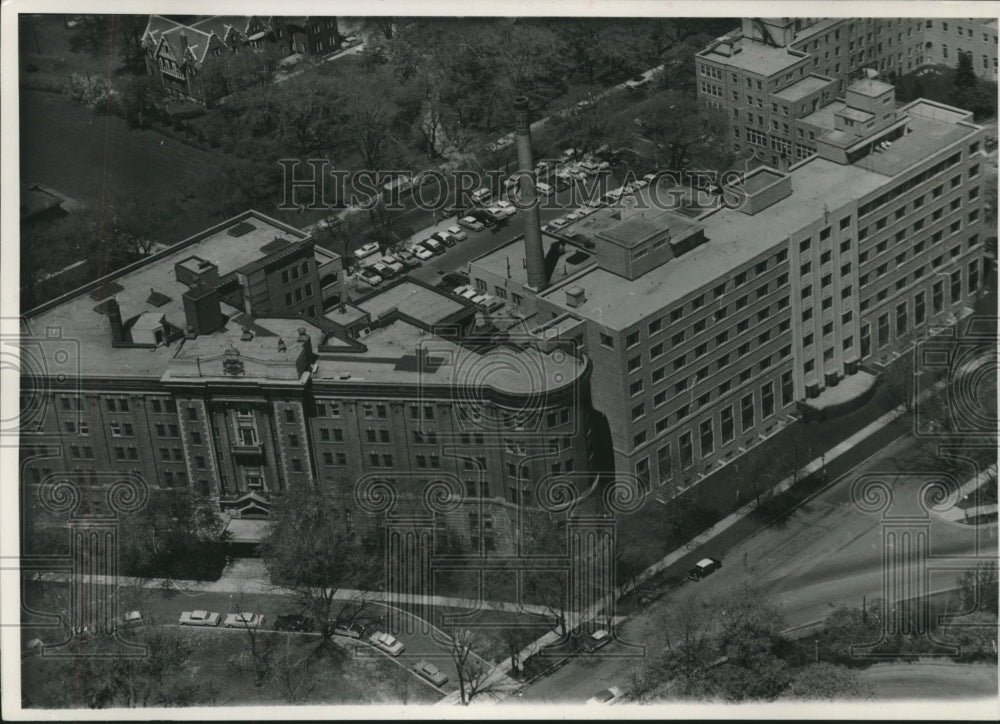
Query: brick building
x: 212, y: 366
x: 773, y: 75
x: 707, y: 329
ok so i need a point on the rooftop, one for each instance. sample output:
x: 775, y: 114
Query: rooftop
x: 74, y: 313
x: 733, y: 239
x: 427, y: 305
x: 870, y: 87
x: 801, y: 88
x: 931, y: 129
x: 824, y: 117
x: 630, y: 227
x: 392, y: 358
x: 856, y: 114
x: 508, y: 261
x: 753, y: 57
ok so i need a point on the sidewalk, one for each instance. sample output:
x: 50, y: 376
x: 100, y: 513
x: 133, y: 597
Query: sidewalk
x: 962, y: 515
x: 574, y: 619
x: 257, y: 585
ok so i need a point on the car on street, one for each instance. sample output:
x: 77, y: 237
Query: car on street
x: 132, y: 618
x: 198, y: 618
x: 444, y: 238
x: 349, y: 630
x: 544, y: 189
x: 382, y: 270
x: 366, y: 251
x: 594, y: 640
x: 457, y: 232
x: 393, y: 263
x: 484, y: 217
x: 350, y: 41
x: 558, y: 223
x: 471, y: 223
x: 434, y: 246
x: 608, y: 696
x: 641, y: 80
x: 482, y: 195
x: 369, y: 276
x: 422, y: 253
x: 387, y: 643
x: 507, y: 207
x: 430, y: 672
x: 243, y: 620
x: 703, y: 568
x: 407, y: 259
x: 294, y: 622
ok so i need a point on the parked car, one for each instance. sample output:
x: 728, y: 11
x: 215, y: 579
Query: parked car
x: 393, y: 263
x: 132, y: 618
x: 558, y: 223
x: 496, y: 213
x: 483, y: 217
x: 444, y: 238
x: 293, y: 622
x: 703, y: 568
x: 544, y: 189
x: 608, y: 696
x: 387, y: 643
x: 481, y: 195
x: 507, y: 207
x: 430, y: 672
x: 457, y: 232
x: 368, y: 275
x: 471, y: 223
x: 492, y: 305
x: 350, y: 41
x: 366, y: 251
x: 198, y: 618
x: 349, y: 630
x: 422, y: 252
x: 382, y: 270
x: 643, y: 79
x: 244, y: 620
x: 591, y: 642
x: 407, y: 258
x: 434, y: 246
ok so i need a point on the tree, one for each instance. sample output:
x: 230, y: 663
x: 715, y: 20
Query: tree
x: 540, y: 536
x: 173, y: 535
x: 474, y: 675
x: 978, y: 588
x: 686, y: 134
x: 752, y: 645
x: 689, y: 647
x: 130, y: 32
x: 312, y: 548
x: 292, y: 675
x: 964, y: 92
x: 829, y: 682
x: 848, y: 627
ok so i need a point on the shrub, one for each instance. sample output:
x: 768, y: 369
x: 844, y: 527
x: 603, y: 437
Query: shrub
x: 94, y: 92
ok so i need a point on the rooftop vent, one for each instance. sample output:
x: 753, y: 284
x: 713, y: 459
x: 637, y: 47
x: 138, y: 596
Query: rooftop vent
x: 247, y: 334
x: 575, y: 296
x: 303, y: 337
x: 157, y: 299
x: 282, y: 347
x: 244, y: 227
x: 276, y: 245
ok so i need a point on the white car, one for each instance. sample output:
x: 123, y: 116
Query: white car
x: 393, y: 263
x: 422, y: 252
x: 366, y: 251
x: 243, y: 620
x: 507, y: 207
x: 387, y: 643
x: 558, y: 223
x: 481, y: 195
x: 198, y: 618
x: 457, y: 233
x: 574, y: 216
x: 132, y: 618
x: 471, y: 223
x: 544, y: 189
x: 608, y: 696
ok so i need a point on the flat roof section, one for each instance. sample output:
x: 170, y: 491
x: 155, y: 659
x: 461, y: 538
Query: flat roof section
x: 800, y: 89
x: 631, y: 226
x: 824, y: 117
x: 927, y: 136
x: 760, y: 179
x: 753, y: 57
x: 78, y: 320
x: 425, y: 305
x: 734, y: 239
x: 508, y: 261
x: 870, y: 87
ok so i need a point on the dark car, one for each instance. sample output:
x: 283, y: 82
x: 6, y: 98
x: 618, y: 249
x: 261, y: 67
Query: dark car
x: 704, y: 567
x: 483, y: 217
x: 454, y: 279
x: 295, y: 623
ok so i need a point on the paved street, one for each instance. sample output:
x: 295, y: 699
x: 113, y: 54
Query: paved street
x: 826, y: 553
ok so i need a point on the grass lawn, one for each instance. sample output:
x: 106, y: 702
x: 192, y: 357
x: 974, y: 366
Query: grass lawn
x: 45, y: 56
x: 946, y: 680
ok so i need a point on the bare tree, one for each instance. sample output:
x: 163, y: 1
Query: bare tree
x: 474, y: 674
x: 260, y: 653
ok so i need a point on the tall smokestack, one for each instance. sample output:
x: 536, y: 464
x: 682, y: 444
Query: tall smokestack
x: 533, y: 254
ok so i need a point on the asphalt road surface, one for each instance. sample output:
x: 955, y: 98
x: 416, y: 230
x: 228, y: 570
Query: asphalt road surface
x: 828, y: 552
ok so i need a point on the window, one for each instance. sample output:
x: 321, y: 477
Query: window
x: 919, y: 308
x: 289, y: 416
x: 607, y: 341
x: 728, y: 429
x: 747, y: 412
x: 632, y: 340
x: 786, y: 389
x: 655, y: 326
x: 706, y: 439
x: 767, y: 400
x: 686, y: 450
x: 956, y: 285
